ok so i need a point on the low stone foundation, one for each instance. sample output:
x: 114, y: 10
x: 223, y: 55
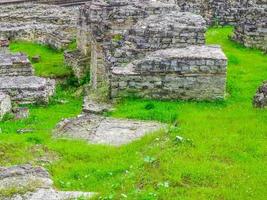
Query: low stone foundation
x: 46, y: 24
x: 193, y: 72
x: 27, y: 89
x: 15, y: 65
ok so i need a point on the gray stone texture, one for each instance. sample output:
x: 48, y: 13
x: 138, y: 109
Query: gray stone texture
x: 15, y: 65
x: 32, y: 183
x: 46, y: 24
x: 260, y: 98
x: 97, y: 129
x: 5, y: 104
x: 79, y: 63
x: 27, y: 89
x: 251, y: 28
x: 126, y: 39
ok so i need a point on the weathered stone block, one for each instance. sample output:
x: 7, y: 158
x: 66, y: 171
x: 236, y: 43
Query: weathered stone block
x: 5, y: 104
x: 15, y: 65
x: 27, y: 89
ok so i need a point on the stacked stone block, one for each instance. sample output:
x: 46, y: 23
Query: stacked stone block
x: 15, y: 65
x: 251, y: 28
x: 150, y: 49
x: 27, y: 89
x: 46, y: 24
x: 18, y: 82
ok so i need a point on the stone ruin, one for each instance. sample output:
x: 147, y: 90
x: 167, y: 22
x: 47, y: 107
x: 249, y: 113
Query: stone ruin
x: 18, y: 83
x: 46, y: 24
x: 149, y: 49
x: 251, y: 28
x: 32, y: 183
x: 260, y: 99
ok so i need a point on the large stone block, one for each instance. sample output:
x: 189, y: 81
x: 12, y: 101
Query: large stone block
x: 15, y: 65
x: 27, y: 89
x: 193, y: 72
x: 5, y: 104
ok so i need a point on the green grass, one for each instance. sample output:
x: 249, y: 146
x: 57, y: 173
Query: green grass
x: 51, y: 63
x: 224, y: 157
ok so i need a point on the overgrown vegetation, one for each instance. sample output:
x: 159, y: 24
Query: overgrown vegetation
x: 51, y: 61
x: 213, y: 150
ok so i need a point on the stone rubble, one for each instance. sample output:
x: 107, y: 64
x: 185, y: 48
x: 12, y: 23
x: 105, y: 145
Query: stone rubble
x: 33, y: 183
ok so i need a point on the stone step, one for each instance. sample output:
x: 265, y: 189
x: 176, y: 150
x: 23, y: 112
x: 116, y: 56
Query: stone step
x: 27, y: 89
x: 193, y: 72
x: 15, y: 65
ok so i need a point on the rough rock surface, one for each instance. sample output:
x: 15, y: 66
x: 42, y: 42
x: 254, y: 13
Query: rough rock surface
x: 15, y: 65
x: 260, y: 99
x: 47, y: 24
x: 27, y: 89
x: 97, y: 129
x: 79, y: 63
x: 93, y: 106
x: 31, y: 183
x: 251, y: 28
x: 5, y: 104
x: 123, y: 36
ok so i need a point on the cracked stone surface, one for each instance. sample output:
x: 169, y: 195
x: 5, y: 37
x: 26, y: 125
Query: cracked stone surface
x: 97, y: 129
x: 32, y: 183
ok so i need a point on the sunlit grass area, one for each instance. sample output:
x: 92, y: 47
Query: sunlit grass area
x: 51, y: 61
x: 222, y: 156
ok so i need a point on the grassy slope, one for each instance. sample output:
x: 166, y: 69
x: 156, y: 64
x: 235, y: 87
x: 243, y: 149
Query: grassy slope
x: 51, y: 63
x: 225, y: 158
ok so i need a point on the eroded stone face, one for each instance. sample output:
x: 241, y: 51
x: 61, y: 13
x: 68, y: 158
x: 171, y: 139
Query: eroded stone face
x: 32, y: 183
x: 97, y: 129
x: 47, y: 24
x: 5, y: 104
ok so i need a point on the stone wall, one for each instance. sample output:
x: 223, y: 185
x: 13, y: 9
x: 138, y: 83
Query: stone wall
x: 220, y: 12
x: 47, y: 24
x: 135, y: 46
x: 251, y: 28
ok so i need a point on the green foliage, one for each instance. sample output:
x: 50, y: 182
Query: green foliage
x: 51, y: 63
x: 213, y: 150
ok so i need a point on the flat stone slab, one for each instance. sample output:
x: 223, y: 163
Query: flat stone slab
x: 97, y: 129
x: 32, y: 183
x: 27, y: 89
x: 5, y: 104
